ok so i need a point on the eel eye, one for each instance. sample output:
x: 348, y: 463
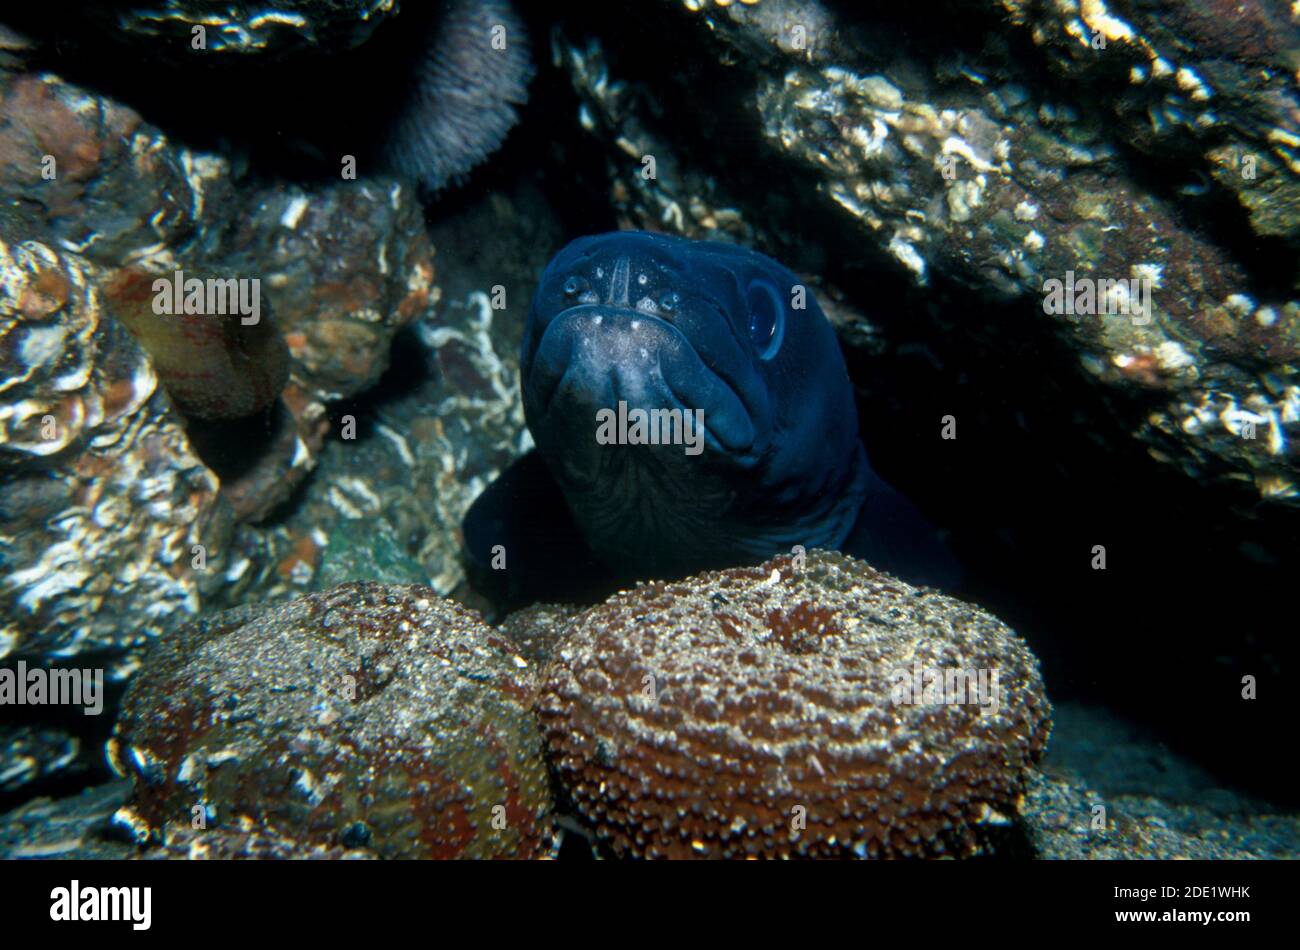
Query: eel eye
x: 574, y: 286
x: 766, y: 319
x: 668, y: 301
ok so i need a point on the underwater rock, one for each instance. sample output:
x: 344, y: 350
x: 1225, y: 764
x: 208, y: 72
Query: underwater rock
x: 404, y: 462
x: 81, y: 171
x: 678, y: 198
x: 1062, y: 814
x: 166, y: 29
x: 31, y: 752
x: 1209, y: 83
x: 98, y: 824
x: 759, y: 712
x: 960, y: 166
x: 104, y: 505
x: 86, y: 173
x: 1109, y: 790
x: 245, y: 844
x: 75, y: 827
x: 366, y: 550
x: 367, y: 716
x: 538, y: 631
x: 263, y: 459
x: 346, y: 266
x: 413, y: 461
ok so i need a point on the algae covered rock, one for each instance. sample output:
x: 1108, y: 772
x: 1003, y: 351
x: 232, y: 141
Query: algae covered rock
x: 368, y: 716
x: 365, y: 550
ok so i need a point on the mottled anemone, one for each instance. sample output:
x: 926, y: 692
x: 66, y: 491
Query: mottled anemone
x: 471, y: 76
x: 770, y: 712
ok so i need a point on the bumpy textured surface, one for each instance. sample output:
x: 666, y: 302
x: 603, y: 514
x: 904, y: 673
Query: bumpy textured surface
x: 346, y: 266
x: 108, y: 507
x: 77, y: 826
x: 538, y: 631
x: 402, y: 485
x: 121, y: 192
x: 252, y: 844
x: 367, y: 716
x: 102, y: 499
x: 707, y: 717
x: 1212, y: 81
x: 166, y: 28
x: 470, y: 81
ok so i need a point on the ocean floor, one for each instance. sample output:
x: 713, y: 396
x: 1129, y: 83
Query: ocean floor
x: 1156, y: 805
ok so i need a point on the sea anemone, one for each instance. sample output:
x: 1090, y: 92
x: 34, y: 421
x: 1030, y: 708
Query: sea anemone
x: 472, y: 74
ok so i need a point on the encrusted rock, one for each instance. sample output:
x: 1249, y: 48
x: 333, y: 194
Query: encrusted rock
x: 368, y: 716
x: 103, y: 502
x: 793, y: 710
x: 231, y: 29
x: 416, y: 463
x: 346, y: 265
x: 185, y: 843
x: 110, y: 204
x: 538, y: 631
x: 30, y: 752
x: 1212, y: 81
x: 78, y: 826
x: 86, y: 173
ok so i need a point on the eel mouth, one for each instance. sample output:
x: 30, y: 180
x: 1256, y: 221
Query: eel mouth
x: 593, y: 356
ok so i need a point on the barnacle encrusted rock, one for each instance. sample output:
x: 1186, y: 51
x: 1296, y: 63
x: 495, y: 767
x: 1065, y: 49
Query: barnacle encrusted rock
x: 242, y: 844
x: 791, y: 710
x: 415, y: 466
x: 84, y: 173
x: 166, y: 28
x: 87, y: 173
x: 1214, y: 82
x: 102, y: 500
x: 368, y: 716
x: 346, y: 264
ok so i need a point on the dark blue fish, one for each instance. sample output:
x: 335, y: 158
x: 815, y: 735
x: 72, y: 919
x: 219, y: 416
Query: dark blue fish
x: 635, y: 339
